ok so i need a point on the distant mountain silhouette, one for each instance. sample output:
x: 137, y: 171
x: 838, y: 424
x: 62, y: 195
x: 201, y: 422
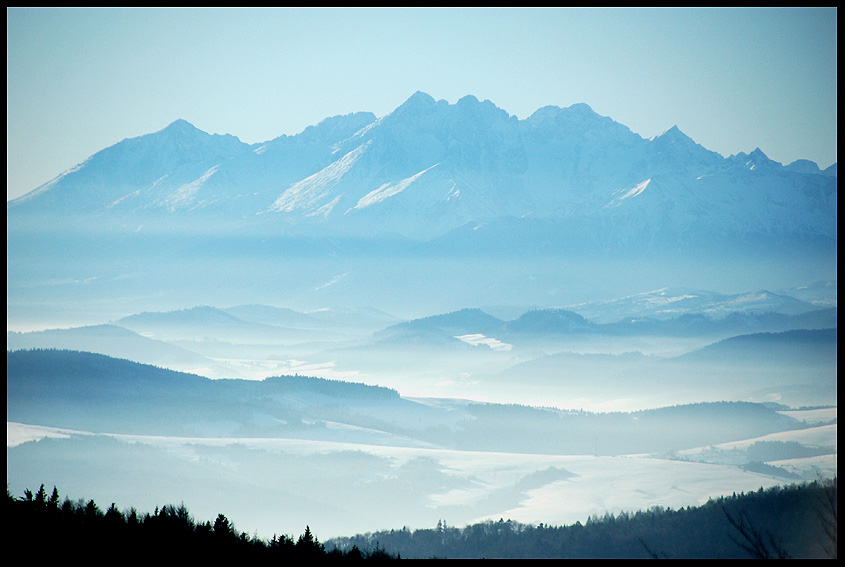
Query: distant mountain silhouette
x: 430, y: 167
x: 789, y: 347
x: 447, y: 205
x: 111, y: 340
x: 462, y: 322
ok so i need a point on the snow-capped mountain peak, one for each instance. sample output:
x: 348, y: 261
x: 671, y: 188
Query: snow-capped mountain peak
x: 430, y: 167
x: 180, y: 126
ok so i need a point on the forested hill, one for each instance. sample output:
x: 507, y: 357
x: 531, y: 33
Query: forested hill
x: 59, y: 372
x: 797, y: 521
x: 96, y: 393
x: 93, y: 392
x: 788, y: 347
x: 169, y: 533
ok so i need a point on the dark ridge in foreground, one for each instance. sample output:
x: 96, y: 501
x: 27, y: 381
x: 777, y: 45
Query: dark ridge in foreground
x: 797, y: 521
x: 169, y: 533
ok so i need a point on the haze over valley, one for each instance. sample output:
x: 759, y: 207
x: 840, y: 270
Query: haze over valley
x: 443, y: 313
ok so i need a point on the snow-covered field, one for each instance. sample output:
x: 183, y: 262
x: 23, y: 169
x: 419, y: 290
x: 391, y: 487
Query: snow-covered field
x: 417, y: 484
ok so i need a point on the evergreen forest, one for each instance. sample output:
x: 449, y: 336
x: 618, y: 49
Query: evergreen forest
x: 796, y: 521
x: 54, y: 527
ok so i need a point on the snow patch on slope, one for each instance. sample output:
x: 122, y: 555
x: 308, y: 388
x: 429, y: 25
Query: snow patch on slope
x: 311, y: 191
x: 621, y: 194
x: 479, y: 339
x: 387, y: 190
x: 186, y: 194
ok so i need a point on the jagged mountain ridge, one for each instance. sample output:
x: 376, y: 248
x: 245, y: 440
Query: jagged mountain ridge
x: 431, y: 167
x: 667, y: 303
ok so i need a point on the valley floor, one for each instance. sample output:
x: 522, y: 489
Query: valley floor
x: 344, y: 488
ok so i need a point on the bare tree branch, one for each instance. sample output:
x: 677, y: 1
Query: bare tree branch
x: 757, y: 544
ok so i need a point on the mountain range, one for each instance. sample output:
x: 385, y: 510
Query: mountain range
x: 431, y: 167
x: 561, y: 207
x: 383, y: 272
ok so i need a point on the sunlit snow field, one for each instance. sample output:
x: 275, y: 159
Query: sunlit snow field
x: 473, y: 485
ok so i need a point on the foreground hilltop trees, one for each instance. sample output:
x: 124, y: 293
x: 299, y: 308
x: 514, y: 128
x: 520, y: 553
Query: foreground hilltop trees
x: 799, y: 521
x: 60, y: 528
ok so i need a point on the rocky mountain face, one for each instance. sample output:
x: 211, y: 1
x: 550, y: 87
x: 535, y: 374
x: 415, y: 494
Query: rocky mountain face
x: 432, y: 208
x: 430, y: 167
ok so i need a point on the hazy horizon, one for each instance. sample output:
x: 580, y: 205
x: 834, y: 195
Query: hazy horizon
x: 447, y: 308
x: 80, y: 80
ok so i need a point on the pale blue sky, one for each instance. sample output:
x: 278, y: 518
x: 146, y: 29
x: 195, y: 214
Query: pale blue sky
x: 732, y: 79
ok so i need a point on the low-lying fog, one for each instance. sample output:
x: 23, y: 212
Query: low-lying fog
x: 540, y: 357
x: 276, y: 462
x: 274, y: 486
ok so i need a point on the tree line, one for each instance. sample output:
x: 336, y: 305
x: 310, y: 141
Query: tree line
x: 52, y: 528
x: 797, y: 521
